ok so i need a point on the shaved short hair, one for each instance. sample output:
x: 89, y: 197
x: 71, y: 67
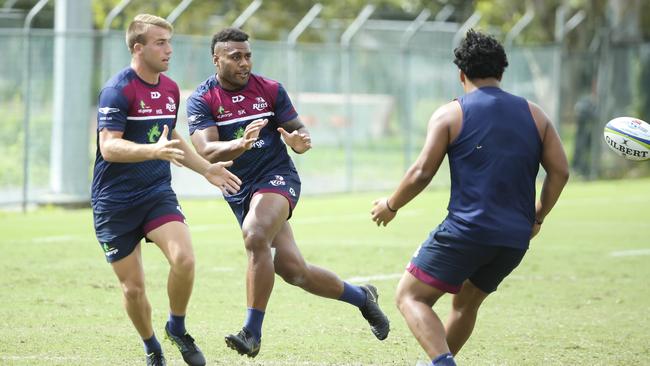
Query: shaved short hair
x: 228, y: 35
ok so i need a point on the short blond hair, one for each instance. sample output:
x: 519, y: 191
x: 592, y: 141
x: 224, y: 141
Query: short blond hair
x: 139, y: 27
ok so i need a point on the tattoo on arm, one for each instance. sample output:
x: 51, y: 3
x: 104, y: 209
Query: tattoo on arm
x: 292, y: 125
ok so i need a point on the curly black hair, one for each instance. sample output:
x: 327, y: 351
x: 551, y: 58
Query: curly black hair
x: 228, y: 35
x: 480, y: 56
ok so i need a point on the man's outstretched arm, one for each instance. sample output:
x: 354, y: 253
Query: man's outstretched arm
x: 419, y: 175
x: 554, y: 162
x: 296, y: 135
x: 115, y: 149
x: 216, y: 173
x: 207, y: 144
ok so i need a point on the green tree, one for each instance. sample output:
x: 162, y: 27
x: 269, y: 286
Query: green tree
x: 274, y: 19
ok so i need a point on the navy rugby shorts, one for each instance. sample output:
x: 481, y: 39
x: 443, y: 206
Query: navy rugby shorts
x: 285, y: 184
x: 120, y: 231
x: 444, y: 261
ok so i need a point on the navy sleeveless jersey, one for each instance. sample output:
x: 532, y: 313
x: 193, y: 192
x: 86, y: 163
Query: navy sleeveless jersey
x: 494, y: 163
x: 231, y: 111
x: 140, y: 110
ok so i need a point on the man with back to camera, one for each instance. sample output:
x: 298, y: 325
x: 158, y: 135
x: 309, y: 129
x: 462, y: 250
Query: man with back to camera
x: 495, y: 142
x: 236, y: 115
x: 132, y: 196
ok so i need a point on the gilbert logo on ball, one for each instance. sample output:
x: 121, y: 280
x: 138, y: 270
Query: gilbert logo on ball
x: 629, y: 137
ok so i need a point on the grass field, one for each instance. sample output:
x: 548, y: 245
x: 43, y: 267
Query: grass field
x: 580, y: 297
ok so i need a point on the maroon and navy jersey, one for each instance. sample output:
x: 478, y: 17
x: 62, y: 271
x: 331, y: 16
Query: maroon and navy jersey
x: 231, y: 111
x: 140, y: 110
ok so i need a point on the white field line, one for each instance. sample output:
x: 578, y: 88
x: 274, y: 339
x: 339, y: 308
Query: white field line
x: 630, y: 253
x: 220, y: 269
x: 352, y: 242
x: 209, y: 227
x: 83, y: 360
x: 317, y: 220
x: 297, y: 221
x: 378, y: 277
x: 49, y: 358
x: 299, y: 363
x: 55, y: 239
x: 347, y: 218
x: 232, y: 225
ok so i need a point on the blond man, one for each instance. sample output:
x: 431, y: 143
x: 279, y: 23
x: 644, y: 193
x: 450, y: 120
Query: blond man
x: 132, y: 196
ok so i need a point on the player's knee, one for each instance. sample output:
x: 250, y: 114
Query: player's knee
x: 468, y: 307
x: 295, y: 280
x: 401, y: 301
x: 133, y: 292
x: 405, y: 299
x: 293, y: 274
x: 468, y: 300
x: 255, y: 240
x: 183, y: 262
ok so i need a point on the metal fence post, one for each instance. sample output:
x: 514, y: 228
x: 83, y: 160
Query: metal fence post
x: 27, y: 74
x: 521, y: 24
x: 605, y: 103
x: 105, y: 30
x: 292, y: 39
x: 562, y: 28
x: 178, y: 10
x: 293, y: 66
x: 407, y: 90
x: 471, y: 22
x: 346, y: 83
x: 247, y: 13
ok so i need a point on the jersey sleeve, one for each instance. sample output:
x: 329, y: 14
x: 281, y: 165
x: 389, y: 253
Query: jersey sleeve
x: 283, y: 108
x: 112, y: 110
x: 199, y: 115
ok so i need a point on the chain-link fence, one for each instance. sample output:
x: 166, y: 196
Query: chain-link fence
x: 367, y: 105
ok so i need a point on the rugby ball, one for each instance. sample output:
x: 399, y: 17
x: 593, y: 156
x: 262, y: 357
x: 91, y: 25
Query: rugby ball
x: 629, y: 137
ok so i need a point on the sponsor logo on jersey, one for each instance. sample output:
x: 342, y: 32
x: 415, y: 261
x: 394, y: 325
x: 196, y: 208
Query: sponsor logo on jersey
x: 223, y: 113
x: 155, y: 95
x: 107, y: 110
x: 241, y: 112
x: 154, y: 133
x: 278, y: 181
x: 292, y: 192
x: 238, y: 134
x: 171, y: 106
x: 258, y: 144
x: 159, y: 111
x: 144, y: 108
x: 260, y: 104
x: 237, y: 98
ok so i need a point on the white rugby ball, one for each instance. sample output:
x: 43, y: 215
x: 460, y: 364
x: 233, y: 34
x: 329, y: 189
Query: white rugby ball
x: 629, y: 137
